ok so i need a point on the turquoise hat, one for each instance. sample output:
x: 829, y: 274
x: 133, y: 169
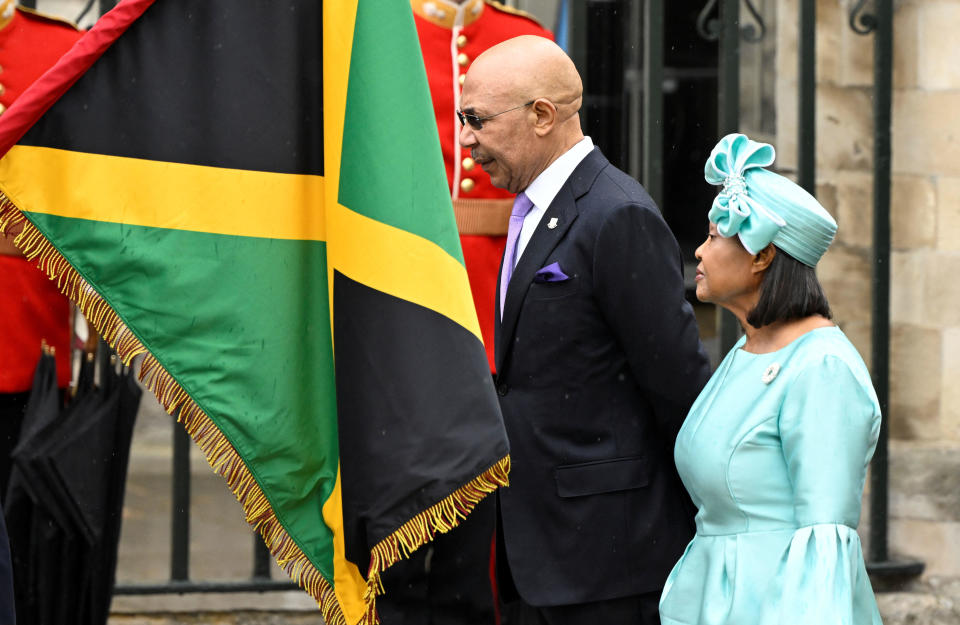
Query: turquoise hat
x: 762, y: 207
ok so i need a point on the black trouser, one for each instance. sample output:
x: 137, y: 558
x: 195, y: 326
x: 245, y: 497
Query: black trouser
x: 7, y: 611
x: 12, y: 406
x: 447, y: 581
x: 641, y: 609
x: 635, y: 610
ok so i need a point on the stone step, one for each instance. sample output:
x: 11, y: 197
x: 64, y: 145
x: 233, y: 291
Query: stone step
x: 240, y: 617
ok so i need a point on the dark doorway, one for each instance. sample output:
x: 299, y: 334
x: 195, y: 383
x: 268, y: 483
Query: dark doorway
x: 607, y: 48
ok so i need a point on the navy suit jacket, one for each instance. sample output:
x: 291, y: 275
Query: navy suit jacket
x: 595, y: 375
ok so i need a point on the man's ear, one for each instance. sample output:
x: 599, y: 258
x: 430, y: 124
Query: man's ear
x: 763, y: 258
x: 546, y: 114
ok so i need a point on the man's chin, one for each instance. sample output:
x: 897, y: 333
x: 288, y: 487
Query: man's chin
x: 497, y: 177
x: 498, y: 182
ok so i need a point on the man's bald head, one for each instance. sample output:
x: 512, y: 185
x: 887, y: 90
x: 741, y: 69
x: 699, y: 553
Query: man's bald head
x: 527, y: 93
x: 530, y: 67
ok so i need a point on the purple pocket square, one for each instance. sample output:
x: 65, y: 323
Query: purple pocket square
x: 551, y: 273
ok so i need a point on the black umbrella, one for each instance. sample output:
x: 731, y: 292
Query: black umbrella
x: 91, y: 466
x: 128, y: 406
x: 60, y: 565
x: 7, y: 611
x: 53, y: 565
x: 43, y: 408
x: 72, y: 468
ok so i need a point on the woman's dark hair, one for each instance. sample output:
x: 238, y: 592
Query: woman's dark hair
x: 788, y: 290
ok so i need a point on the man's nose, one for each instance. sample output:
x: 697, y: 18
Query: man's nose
x: 467, y: 138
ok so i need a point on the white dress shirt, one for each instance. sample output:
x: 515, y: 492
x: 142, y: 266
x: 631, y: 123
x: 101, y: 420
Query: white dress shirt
x: 546, y: 186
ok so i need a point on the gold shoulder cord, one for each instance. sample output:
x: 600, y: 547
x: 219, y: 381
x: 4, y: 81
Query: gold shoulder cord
x: 47, y: 16
x: 508, y: 9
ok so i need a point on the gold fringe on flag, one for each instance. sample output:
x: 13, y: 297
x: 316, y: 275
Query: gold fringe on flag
x: 439, y: 518
x: 224, y: 459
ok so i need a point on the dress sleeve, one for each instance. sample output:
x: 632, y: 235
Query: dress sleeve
x: 829, y: 424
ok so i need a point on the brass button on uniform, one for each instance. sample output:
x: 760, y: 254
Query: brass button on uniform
x: 461, y: 79
x: 466, y: 185
x: 3, y: 89
x: 461, y: 41
x: 463, y: 59
x: 3, y: 108
x: 467, y: 164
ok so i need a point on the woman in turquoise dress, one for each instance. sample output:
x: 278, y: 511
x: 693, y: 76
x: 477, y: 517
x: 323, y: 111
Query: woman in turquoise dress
x: 774, y: 451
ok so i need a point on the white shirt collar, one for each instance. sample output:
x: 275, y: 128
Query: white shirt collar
x: 546, y: 186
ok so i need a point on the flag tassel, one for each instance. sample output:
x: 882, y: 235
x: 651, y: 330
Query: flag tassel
x: 439, y: 518
x: 220, y: 454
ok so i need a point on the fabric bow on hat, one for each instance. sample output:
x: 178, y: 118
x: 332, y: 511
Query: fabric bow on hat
x: 733, y: 210
x: 763, y: 207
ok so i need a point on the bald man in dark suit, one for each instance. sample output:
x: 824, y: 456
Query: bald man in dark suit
x: 597, y: 352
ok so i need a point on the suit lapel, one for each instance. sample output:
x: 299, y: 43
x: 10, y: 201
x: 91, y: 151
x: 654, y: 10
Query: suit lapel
x: 544, y: 240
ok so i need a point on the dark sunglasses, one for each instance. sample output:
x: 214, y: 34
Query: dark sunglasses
x: 477, y: 122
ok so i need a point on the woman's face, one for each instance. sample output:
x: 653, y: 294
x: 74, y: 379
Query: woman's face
x: 725, y: 273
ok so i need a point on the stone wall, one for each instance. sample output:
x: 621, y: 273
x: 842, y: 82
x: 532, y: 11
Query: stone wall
x: 925, y: 264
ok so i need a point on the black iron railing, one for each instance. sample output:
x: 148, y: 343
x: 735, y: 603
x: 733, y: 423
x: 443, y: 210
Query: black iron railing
x: 728, y: 116
x: 880, y: 23
x: 807, y: 97
x: 180, y: 582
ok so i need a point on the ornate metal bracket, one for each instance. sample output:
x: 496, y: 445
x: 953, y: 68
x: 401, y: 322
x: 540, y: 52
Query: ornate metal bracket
x: 754, y: 33
x: 709, y: 27
x: 862, y: 19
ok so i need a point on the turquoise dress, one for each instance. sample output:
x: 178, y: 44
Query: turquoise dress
x: 774, y: 454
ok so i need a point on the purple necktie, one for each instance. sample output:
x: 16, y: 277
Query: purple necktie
x: 521, y: 206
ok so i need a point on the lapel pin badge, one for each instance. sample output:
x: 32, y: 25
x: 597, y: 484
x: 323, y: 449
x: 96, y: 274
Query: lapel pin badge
x: 552, y: 223
x: 771, y: 373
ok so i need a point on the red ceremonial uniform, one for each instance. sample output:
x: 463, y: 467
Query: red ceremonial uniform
x: 32, y: 309
x: 451, y: 36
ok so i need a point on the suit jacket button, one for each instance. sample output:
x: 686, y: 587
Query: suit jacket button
x: 502, y: 389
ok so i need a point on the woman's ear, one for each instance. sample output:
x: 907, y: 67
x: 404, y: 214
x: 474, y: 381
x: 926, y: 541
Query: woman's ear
x: 763, y: 258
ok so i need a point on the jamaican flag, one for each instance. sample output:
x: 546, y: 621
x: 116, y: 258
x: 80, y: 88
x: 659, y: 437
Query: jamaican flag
x: 251, y: 196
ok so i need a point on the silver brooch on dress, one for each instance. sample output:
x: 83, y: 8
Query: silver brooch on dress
x: 771, y: 373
